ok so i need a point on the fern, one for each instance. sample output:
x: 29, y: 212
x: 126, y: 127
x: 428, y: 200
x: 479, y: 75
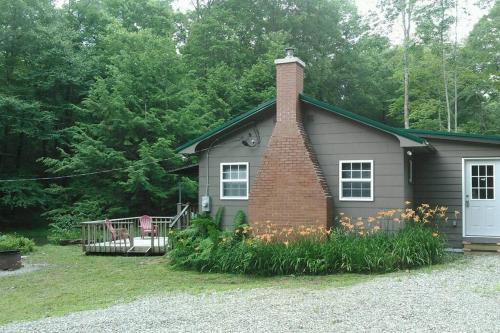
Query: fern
x: 218, y: 217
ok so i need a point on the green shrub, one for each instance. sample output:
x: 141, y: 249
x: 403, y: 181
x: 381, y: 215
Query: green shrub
x: 239, y: 219
x: 341, y: 251
x: 58, y: 234
x: 218, y: 216
x: 15, y: 242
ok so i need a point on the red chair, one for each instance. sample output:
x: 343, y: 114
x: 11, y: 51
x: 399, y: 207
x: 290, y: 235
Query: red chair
x: 147, y: 227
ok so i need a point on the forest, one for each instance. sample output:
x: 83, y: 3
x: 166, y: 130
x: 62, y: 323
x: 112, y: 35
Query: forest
x: 95, y: 95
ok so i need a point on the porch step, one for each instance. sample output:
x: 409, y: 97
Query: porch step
x: 139, y: 250
x: 481, y: 247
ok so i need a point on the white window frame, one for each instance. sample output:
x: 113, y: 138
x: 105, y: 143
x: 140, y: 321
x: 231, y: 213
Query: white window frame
x: 222, y: 181
x: 494, y: 180
x: 371, y: 179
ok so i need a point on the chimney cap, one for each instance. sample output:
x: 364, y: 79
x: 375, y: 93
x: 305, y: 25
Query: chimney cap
x: 289, y: 58
x: 289, y: 52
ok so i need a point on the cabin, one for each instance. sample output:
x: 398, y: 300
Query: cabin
x: 296, y: 160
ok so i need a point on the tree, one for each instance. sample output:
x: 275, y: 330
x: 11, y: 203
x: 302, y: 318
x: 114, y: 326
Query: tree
x: 434, y: 22
x: 403, y: 10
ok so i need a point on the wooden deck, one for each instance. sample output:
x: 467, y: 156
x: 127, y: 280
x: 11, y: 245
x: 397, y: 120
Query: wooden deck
x: 137, y: 246
x: 97, y: 237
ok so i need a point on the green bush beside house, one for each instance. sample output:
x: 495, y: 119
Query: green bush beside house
x: 206, y: 248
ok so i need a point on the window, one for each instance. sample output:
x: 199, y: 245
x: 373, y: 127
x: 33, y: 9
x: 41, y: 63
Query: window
x: 234, y: 181
x: 356, y: 180
x: 483, y: 182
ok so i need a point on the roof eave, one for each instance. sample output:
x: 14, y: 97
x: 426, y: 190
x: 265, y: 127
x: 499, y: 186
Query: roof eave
x: 190, y: 147
x: 457, y: 137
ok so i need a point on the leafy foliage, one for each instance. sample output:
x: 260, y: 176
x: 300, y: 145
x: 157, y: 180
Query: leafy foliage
x: 219, y: 214
x: 195, y: 248
x: 15, y: 242
x: 118, y: 84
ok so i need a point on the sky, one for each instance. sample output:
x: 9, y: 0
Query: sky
x: 366, y: 7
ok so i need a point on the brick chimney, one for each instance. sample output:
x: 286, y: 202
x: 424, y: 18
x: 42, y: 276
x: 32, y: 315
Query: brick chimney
x: 289, y: 188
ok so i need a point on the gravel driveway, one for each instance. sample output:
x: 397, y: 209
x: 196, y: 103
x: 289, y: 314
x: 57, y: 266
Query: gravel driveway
x: 462, y: 298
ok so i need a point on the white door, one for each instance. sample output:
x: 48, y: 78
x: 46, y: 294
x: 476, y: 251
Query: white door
x: 482, y: 198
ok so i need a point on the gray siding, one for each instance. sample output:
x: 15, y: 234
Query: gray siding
x: 230, y: 149
x: 438, y: 178
x: 335, y: 138
x: 437, y: 175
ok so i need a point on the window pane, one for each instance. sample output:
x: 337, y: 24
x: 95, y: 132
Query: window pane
x: 490, y: 182
x: 366, y: 166
x: 234, y: 189
x: 474, y: 170
x: 366, y: 174
x: 346, y: 166
x: 475, y: 194
x: 482, y: 193
x: 490, y: 170
x: 482, y: 170
x: 356, y: 166
x: 491, y: 195
x: 243, y: 172
x: 225, y: 171
x: 356, y: 174
x: 346, y: 174
x: 356, y: 189
x: 475, y: 182
x: 234, y: 172
x: 356, y: 193
x: 482, y: 182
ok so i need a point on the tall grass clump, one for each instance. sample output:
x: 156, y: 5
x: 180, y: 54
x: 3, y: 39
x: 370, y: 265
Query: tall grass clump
x: 361, y: 246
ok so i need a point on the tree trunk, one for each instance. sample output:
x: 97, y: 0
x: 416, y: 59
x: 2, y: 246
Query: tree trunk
x: 446, y: 95
x: 406, y: 16
x: 456, y: 68
x: 445, y: 74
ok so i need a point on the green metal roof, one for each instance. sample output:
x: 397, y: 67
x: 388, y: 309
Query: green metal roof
x: 228, y: 124
x: 361, y: 119
x: 463, y: 136
x: 414, y: 135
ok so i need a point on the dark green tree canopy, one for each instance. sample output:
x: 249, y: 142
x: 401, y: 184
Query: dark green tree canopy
x: 116, y: 85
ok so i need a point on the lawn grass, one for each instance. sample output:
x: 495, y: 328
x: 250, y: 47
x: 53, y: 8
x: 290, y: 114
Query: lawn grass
x: 72, y: 281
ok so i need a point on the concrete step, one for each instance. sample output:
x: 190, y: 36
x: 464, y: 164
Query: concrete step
x: 139, y: 250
